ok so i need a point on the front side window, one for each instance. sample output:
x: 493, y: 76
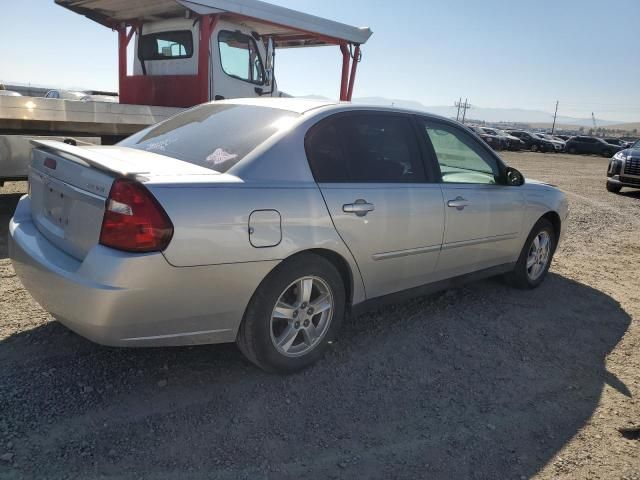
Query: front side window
x: 166, y: 45
x: 214, y: 136
x: 460, y: 157
x: 239, y: 57
x: 364, y: 148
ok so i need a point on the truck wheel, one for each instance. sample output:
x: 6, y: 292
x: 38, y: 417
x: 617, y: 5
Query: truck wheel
x: 613, y: 187
x: 294, y: 315
x: 535, y: 258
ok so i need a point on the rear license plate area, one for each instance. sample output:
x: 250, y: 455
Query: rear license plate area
x: 54, y: 204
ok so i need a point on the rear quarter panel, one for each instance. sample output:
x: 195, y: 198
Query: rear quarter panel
x: 211, y: 224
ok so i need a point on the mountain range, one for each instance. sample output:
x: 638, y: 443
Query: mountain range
x: 487, y: 114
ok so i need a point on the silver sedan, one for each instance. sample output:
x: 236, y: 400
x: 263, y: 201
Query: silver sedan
x: 266, y: 221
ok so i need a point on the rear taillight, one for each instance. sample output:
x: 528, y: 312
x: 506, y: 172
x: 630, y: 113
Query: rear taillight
x: 133, y: 219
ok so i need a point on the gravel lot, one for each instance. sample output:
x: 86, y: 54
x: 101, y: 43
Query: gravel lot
x: 479, y: 382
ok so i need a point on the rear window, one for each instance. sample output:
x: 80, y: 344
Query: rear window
x: 215, y: 136
x: 166, y: 45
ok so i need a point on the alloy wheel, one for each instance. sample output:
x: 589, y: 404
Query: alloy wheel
x: 301, y: 316
x: 539, y: 254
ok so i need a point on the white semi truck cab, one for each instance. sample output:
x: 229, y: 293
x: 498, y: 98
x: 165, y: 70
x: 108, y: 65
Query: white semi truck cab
x: 186, y: 52
x: 240, y: 62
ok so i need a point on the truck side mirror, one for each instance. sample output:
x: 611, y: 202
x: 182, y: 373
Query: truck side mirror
x: 269, y: 61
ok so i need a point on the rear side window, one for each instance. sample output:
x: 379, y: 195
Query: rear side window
x: 166, y: 45
x: 364, y: 149
x: 239, y: 57
x: 215, y: 136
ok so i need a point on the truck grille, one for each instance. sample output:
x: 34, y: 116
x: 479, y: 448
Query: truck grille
x: 632, y: 166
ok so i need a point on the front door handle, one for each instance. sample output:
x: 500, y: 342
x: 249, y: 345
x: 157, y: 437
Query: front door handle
x: 360, y: 207
x: 458, y: 203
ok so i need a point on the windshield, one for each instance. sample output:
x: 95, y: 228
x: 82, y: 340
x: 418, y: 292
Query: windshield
x: 636, y: 145
x: 214, y: 136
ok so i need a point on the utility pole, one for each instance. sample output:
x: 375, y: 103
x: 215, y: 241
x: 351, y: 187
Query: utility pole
x: 458, y: 104
x: 554, y: 118
x: 595, y: 127
x: 465, y: 107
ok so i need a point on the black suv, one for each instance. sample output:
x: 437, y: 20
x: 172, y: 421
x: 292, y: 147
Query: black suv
x: 591, y: 145
x: 532, y: 141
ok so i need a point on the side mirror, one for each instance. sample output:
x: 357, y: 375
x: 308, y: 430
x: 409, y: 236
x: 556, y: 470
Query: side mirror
x: 513, y: 177
x: 269, y: 61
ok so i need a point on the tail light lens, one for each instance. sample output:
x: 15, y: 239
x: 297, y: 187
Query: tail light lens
x: 133, y: 219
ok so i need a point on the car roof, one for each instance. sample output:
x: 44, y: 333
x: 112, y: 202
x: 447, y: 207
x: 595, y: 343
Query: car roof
x: 303, y: 105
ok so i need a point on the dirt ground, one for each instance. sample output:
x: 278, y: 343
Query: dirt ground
x: 478, y: 382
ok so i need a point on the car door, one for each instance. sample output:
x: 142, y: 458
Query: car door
x: 369, y: 168
x: 483, y: 217
x: 236, y: 62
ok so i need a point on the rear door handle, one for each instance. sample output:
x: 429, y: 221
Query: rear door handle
x: 458, y: 203
x: 360, y: 207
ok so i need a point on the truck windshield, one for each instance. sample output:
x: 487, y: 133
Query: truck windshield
x: 215, y: 136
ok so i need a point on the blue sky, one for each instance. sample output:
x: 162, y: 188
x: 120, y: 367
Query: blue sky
x: 498, y: 53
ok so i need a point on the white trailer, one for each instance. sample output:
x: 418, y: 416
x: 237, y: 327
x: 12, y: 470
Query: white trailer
x: 187, y: 52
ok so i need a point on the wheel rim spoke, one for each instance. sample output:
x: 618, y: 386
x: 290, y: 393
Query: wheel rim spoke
x: 321, y: 304
x: 287, y: 338
x: 310, y: 334
x: 536, y: 242
x: 304, y: 290
x: 283, y: 310
x: 531, y: 261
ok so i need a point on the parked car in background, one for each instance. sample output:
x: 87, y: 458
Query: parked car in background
x: 10, y: 93
x: 593, y: 145
x: 80, y: 96
x: 624, y: 169
x: 617, y: 141
x: 509, y: 141
x: 321, y: 208
x: 494, y: 141
x: 558, y: 144
x: 563, y: 137
x: 532, y: 141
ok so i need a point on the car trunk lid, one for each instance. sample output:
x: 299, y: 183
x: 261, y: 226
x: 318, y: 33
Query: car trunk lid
x: 69, y: 187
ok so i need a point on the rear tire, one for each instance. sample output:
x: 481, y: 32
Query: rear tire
x: 607, y: 153
x: 293, y: 336
x: 535, y: 259
x: 613, y: 187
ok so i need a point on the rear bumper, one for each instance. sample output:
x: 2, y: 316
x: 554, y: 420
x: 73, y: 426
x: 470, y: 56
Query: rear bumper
x: 121, y: 299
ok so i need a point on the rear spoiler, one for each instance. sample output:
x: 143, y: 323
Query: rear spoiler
x: 91, y: 158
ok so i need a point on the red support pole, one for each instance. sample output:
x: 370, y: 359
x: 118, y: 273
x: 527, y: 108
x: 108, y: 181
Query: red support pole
x: 354, y: 66
x: 345, y: 71
x: 122, y: 57
x: 207, y: 25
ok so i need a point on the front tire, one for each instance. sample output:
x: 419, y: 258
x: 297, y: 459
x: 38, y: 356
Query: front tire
x: 613, y: 187
x: 294, y: 315
x: 534, y: 148
x: 535, y: 258
x: 572, y: 150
